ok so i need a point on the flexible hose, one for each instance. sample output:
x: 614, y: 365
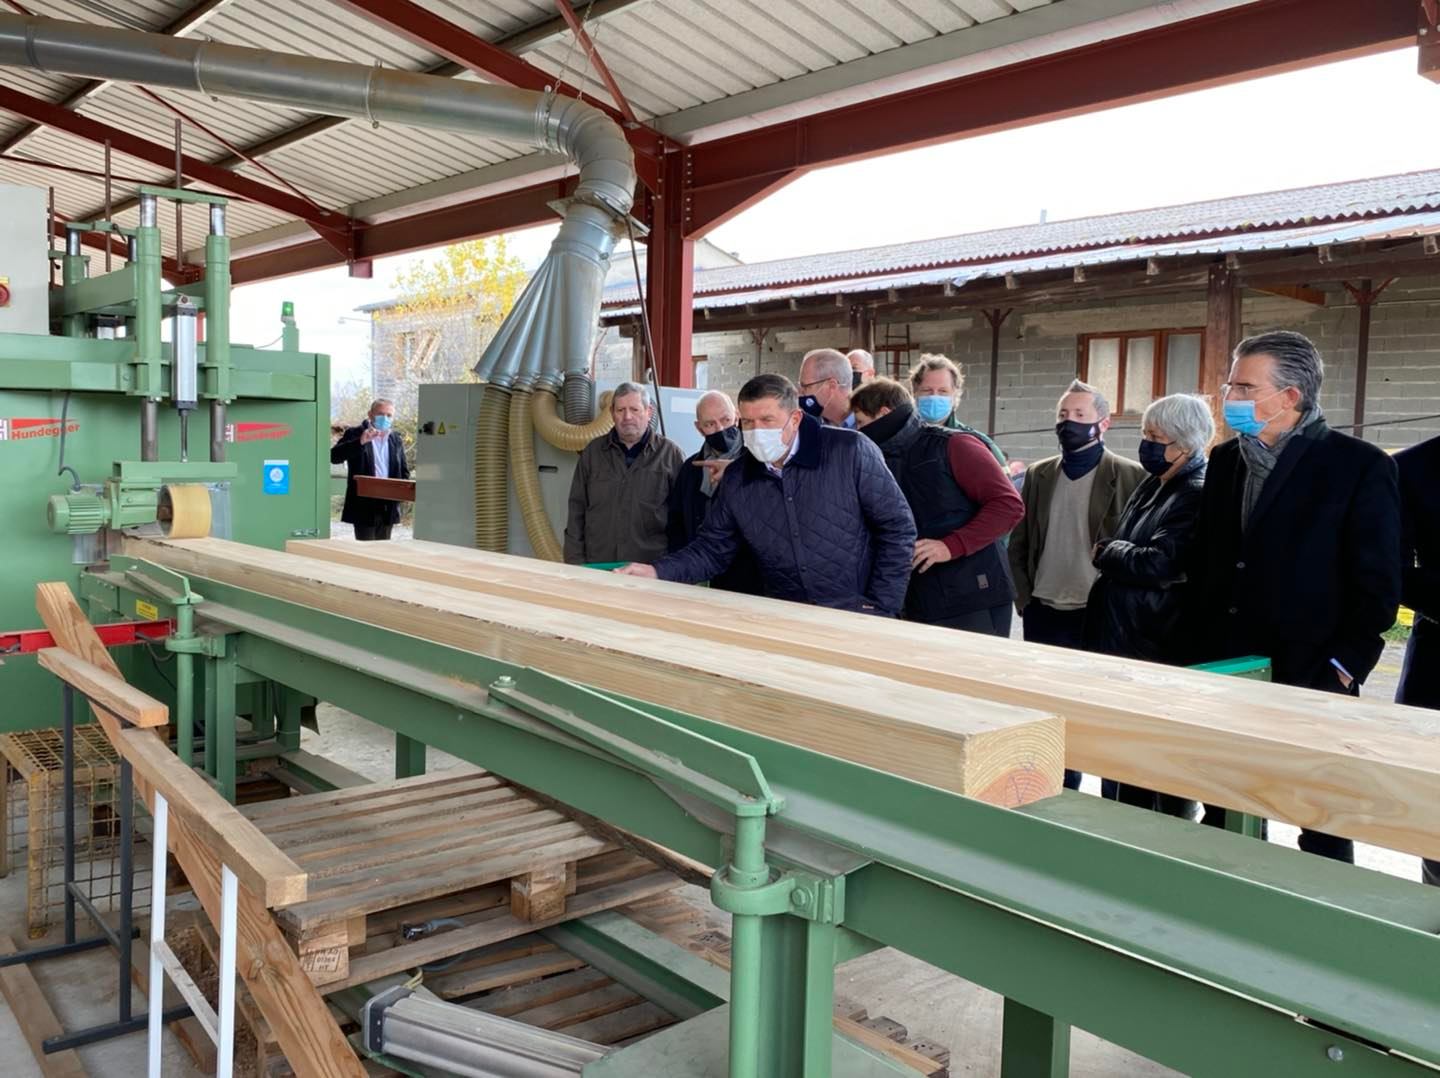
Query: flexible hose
x: 526, y: 477
x: 492, y: 456
x: 578, y: 396
x: 545, y: 412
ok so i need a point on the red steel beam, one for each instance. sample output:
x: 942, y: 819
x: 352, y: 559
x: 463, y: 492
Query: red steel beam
x: 1257, y: 39
x: 433, y: 31
x: 333, y: 227
x: 596, y: 60
x: 524, y: 208
x: 1427, y: 36
x: 670, y: 278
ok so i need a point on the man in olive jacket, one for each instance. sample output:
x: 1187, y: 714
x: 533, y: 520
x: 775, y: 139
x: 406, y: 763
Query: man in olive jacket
x: 620, y: 494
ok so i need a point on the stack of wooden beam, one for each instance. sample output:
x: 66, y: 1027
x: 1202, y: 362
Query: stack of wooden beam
x: 988, y: 718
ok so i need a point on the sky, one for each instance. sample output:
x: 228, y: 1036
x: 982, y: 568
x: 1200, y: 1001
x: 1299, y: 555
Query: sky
x: 1367, y: 117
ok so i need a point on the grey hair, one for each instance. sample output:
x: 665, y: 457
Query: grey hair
x: 1297, y: 362
x: 379, y: 401
x: 1102, y: 406
x: 867, y: 361
x: 1185, y: 417
x: 625, y: 389
x: 828, y: 363
x: 715, y: 394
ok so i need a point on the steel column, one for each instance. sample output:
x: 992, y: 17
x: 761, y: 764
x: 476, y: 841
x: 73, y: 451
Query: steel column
x: 669, y: 277
x: 1033, y: 1045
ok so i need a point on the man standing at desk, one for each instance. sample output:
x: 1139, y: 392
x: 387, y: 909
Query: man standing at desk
x: 371, y: 449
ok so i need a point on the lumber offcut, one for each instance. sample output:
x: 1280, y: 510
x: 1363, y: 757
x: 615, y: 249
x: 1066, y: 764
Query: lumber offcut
x: 1365, y: 769
x: 302, y: 1023
x: 995, y: 752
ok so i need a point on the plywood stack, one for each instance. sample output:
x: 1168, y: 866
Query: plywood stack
x: 1368, y: 770
x: 996, y: 752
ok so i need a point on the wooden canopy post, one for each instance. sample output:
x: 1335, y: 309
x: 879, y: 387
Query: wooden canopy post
x: 996, y: 318
x: 1222, y: 333
x: 1364, y: 296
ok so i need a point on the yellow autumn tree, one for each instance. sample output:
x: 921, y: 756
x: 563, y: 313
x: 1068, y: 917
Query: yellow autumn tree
x: 448, y: 309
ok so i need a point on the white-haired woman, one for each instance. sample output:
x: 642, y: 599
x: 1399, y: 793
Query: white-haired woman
x: 1135, y: 605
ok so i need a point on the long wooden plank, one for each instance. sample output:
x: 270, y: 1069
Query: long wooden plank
x: 1366, y: 769
x: 297, y: 1014
x: 114, y: 694
x: 36, y: 1020
x: 994, y: 752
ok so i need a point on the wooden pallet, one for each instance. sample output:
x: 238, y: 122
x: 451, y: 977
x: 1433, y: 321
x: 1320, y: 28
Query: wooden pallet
x: 386, y: 845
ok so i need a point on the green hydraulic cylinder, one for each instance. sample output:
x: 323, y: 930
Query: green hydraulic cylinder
x: 148, y: 287
x: 217, y: 305
x: 72, y: 272
x: 747, y: 869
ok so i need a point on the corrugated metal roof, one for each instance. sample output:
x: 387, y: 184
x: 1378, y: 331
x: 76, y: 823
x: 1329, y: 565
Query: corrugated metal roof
x: 667, y: 55
x: 620, y: 297
x: 1249, y: 222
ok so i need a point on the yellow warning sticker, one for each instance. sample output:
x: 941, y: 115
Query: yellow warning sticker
x: 146, y: 611
x: 440, y: 429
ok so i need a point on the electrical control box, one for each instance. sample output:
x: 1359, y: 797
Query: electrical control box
x: 24, y: 261
x: 445, y: 463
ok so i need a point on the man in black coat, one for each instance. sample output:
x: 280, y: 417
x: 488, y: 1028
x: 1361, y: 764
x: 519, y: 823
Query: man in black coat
x: 372, y: 448
x: 823, y: 515
x: 1298, y: 553
x: 699, y: 480
x: 1419, y: 468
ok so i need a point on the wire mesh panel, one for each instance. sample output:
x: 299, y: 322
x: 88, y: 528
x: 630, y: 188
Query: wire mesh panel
x: 34, y: 823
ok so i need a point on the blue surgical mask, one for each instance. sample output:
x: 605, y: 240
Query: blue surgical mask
x: 1240, y: 417
x: 934, y: 408
x: 380, y: 422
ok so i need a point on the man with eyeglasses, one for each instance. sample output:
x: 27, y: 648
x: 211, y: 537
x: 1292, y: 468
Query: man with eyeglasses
x: 1298, y: 552
x: 826, y: 380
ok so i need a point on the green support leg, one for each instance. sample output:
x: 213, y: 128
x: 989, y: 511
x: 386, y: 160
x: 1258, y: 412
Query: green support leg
x: 288, y: 706
x: 409, y: 757
x: 797, y: 994
x: 220, y: 736
x: 1033, y: 1045
x: 262, y: 714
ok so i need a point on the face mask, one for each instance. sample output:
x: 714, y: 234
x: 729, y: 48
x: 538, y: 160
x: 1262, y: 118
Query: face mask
x: 934, y: 408
x: 1075, y: 436
x: 1240, y: 417
x: 855, y: 379
x: 380, y: 422
x: 724, y: 441
x: 811, y: 406
x: 1152, y: 457
x: 766, y: 445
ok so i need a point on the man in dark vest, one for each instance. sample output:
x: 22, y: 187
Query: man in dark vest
x: 964, y: 506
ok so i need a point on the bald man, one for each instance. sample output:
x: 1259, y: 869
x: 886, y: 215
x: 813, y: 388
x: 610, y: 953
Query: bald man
x: 699, y: 478
x: 862, y: 367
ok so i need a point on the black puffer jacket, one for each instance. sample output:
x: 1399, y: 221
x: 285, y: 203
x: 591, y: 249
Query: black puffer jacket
x: 832, y: 530
x: 1135, y: 606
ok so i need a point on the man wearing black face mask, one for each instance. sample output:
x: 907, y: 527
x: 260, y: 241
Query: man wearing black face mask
x: 1071, y: 502
x: 826, y: 379
x: 696, y: 484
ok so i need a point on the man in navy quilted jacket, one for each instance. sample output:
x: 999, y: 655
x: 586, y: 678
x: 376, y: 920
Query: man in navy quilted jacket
x: 817, y: 505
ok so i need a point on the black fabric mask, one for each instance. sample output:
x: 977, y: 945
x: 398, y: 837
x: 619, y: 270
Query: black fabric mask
x: 810, y: 405
x: 1152, y: 457
x: 1075, y: 436
x: 855, y: 379
x: 725, y: 441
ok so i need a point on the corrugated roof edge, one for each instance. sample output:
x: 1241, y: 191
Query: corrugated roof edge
x: 1426, y: 197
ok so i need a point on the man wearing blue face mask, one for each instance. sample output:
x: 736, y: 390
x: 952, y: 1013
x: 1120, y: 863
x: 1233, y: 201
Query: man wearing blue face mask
x: 372, y: 449
x: 1298, y: 553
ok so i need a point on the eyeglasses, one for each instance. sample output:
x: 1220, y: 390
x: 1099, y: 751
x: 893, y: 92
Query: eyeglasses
x: 819, y: 382
x: 1241, y: 390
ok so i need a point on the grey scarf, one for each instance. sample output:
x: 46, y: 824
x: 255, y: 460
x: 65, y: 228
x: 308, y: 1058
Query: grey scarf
x: 1260, y: 460
x: 707, y: 487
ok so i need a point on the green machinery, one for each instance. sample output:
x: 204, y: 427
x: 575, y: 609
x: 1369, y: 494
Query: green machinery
x: 101, y: 428
x: 1203, y: 949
